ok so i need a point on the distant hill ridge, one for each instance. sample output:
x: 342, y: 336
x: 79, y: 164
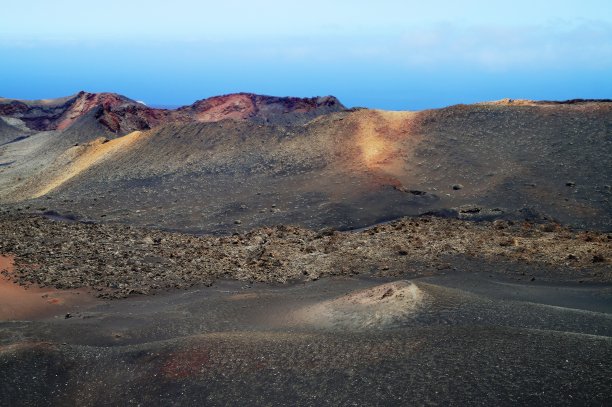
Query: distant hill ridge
x: 238, y: 161
x: 121, y: 115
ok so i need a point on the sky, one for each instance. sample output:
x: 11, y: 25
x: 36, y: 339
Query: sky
x: 388, y: 54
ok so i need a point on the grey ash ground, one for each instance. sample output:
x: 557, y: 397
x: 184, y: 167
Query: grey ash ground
x: 462, y: 338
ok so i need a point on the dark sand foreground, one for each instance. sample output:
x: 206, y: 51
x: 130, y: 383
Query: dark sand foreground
x: 423, y: 311
x: 457, y: 339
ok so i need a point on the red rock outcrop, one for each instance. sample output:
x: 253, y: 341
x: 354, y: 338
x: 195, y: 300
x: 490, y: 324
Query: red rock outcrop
x: 121, y: 115
x: 242, y: 106
x: 115, y: 112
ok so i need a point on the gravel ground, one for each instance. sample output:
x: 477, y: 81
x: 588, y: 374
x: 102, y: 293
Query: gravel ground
x: 473, y: 340
x: 117, y: 261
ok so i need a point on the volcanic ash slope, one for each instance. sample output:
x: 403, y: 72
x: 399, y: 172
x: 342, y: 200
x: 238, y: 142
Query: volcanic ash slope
x: 239, y: 161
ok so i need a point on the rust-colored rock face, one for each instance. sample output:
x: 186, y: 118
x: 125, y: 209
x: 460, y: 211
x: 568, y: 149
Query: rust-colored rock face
x: 241, y: 106
x: 115, y: 112
x: 223, y: 107
x: 84, y: 102
x: 121, y: 115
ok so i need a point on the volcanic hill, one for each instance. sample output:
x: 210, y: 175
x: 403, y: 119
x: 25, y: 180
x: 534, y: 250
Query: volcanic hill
x: 233, y: 162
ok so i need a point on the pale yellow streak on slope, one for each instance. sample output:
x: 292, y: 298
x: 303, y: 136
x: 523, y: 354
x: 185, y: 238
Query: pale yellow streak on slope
x: 379, y: 136
x: 91, y: 154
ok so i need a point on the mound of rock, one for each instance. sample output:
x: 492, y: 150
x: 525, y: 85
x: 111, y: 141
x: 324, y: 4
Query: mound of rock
x: 371, y: 308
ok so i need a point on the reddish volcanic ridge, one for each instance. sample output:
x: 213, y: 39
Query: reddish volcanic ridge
x: 247, y: 105
x: 121, y: 115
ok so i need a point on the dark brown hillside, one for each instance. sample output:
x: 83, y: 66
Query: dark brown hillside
x: 9, y: 132
x: 539, y: 162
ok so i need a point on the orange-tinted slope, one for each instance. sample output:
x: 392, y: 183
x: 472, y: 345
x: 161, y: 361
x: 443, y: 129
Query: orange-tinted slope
x: 343, y: 169
x: 21, y: 303
x: 82, y: 158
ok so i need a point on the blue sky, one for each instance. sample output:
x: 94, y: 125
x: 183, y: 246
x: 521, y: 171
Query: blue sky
x: 387, y: 54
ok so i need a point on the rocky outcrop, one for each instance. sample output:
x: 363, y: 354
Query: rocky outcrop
x: 528, y: 102
x: 38, y: 117
x: 116, y: 113
x: 243, y: 106
x: 121, y: 115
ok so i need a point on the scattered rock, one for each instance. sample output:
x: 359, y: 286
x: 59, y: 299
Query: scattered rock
x: 470, y: 209
x: 548, y: 227
x: 117, y: 260
x: 327, y: 231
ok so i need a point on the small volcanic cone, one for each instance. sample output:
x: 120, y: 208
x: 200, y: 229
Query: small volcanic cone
x: 372, y: 308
